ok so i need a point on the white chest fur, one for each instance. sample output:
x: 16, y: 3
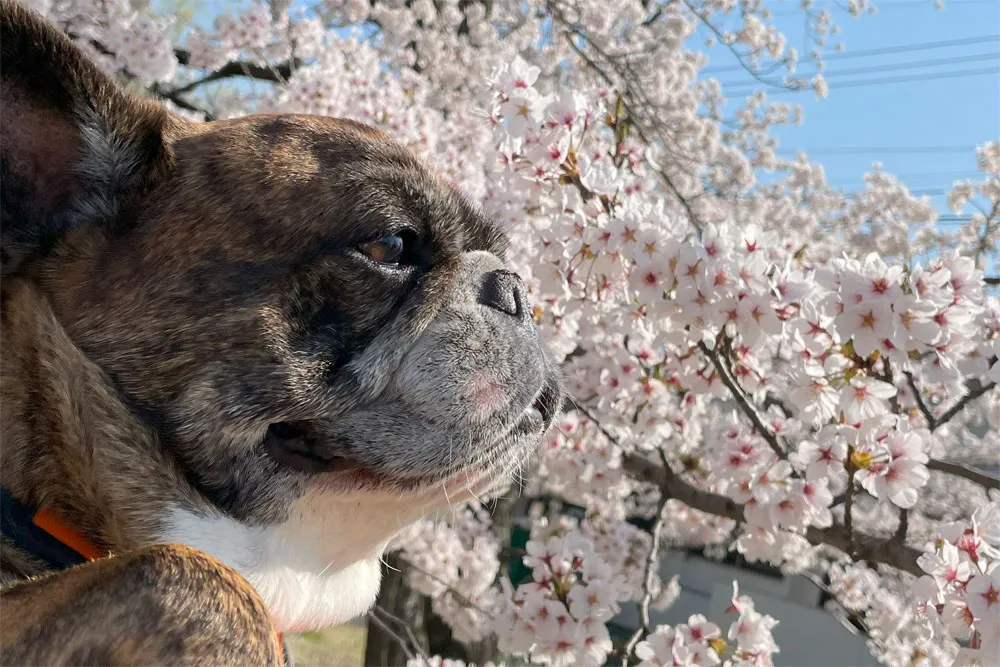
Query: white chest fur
x: 318, y: 568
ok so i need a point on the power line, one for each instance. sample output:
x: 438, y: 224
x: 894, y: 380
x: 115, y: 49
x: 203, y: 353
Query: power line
x: 908, y: 179
x: 882, y: 5
x: 864, y: 150
x: 900, y: 48
x: 885, y: 81
x: 916, y: 64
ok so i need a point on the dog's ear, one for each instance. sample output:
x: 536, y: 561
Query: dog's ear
x: 75, y: 149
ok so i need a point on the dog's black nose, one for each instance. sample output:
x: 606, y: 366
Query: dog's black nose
x: 503, y: 291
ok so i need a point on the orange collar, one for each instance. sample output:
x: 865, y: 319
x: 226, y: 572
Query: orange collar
x: 55, y: 526
x: 50, y: 538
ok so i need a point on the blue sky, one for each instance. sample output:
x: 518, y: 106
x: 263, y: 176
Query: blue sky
x: 923, y: 123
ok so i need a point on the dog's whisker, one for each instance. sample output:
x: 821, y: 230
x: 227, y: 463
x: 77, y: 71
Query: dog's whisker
x: 473, y: 494
x: 325, y: 569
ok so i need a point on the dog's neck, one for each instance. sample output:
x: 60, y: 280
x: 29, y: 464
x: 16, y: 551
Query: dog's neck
x: 68, y: 441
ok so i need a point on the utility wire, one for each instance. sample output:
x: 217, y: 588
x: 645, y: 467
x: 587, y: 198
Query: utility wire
x: 884, y: 81
x: 916, y: 64
x: 882, y: 5
x: 900, y: 48
x: 885, y: 150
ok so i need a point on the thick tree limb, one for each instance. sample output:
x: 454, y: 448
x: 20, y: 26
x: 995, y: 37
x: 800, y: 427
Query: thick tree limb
x: 866, y: 547
x: 274, y: 73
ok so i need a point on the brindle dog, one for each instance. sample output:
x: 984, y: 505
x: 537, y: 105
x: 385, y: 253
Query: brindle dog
x: 238, y: 356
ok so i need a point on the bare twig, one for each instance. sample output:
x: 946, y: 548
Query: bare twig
x: 739, y: 57
x: 633, y: 119
x: 964, y: 471
x: 462, y: 599
x: 853, y: 622
x: 390, y: 617
x: 273, y: 73
x: 589, y: 415
x: 652, y: 573
x: 973, y: 394
x: 384, y: 627
x: 975, y: 390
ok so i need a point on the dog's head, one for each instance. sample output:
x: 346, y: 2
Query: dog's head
x: 310, y: 320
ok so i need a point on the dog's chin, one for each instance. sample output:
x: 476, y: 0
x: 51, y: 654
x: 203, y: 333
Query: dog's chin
x: 297, y: 448
x: 347, y: 474
x: 320, y: 565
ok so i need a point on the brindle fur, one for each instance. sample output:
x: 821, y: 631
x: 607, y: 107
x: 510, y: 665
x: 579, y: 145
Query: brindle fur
x: 184, y: 608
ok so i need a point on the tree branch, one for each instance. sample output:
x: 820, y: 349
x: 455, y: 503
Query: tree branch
x: 743, y: 401
x: 388, y: 617
x: 902, y: 527
x: 975, y: 390
x: 384, y: 627
x: 951, y: 467
x: 964, y: 471
x: 924, y: 410
x: 849, y: 505
x: 739, y: 57
x: 632, y: 118
x: 973, y: 394
x: 652, y: 564
x: 274, y: 73
x: 449, y: 590
x: 866, y: 547
x: 180, y: 101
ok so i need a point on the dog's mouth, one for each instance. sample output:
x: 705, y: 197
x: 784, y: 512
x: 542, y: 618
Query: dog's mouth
x: 297, y: 447
x: 541, y: 411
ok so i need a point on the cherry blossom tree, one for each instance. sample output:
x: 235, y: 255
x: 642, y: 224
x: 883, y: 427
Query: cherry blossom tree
x: 758, y: 362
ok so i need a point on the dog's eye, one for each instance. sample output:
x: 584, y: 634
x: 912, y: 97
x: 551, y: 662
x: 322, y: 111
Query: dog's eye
x: 393, y: 249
